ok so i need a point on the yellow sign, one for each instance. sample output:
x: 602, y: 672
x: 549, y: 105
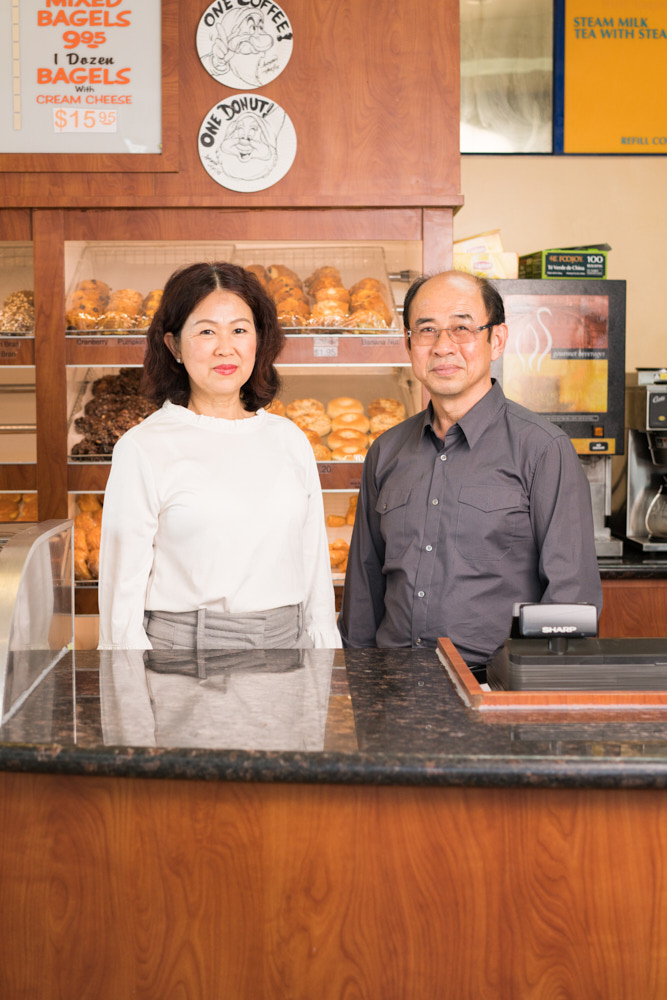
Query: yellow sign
x: 615, y: 85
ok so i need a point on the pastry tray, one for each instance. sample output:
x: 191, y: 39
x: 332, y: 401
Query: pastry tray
x: 142, y: 265
x: 353, y: 261
x: 16, y: 274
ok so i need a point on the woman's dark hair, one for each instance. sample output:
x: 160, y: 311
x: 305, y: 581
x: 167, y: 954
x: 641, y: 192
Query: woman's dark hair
x: 491, y: 297
x: 165, y: 379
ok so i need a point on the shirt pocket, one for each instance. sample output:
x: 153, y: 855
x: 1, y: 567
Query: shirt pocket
x: 489, y: 520
x: 392, y: 506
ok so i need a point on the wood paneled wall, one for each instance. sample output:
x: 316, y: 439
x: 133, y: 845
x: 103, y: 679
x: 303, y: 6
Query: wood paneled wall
x: 371, y: 88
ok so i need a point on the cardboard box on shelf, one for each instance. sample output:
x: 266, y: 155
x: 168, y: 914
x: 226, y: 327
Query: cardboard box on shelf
x: 488, y: 242
x: 488, y: 265
x: 568, y: 262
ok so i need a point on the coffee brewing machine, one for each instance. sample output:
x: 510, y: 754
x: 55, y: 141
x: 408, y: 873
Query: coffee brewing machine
x: 643, y: 512
x: 565, y: 359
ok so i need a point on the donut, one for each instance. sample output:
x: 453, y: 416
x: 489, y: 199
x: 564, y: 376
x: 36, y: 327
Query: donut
x: 348, y: 453
x: 275, y: 406
x: 322, y: 453
x: 344, y: 404
x: 353, y: 421
x: 314, y: 421
x: 300, y: 406
x: 348, y: 437
x: 386, y: 405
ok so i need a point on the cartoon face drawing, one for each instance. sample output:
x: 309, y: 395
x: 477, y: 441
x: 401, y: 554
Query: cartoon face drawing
x: 247, y: 143
x: 241, y: 48
x: 247, y: 149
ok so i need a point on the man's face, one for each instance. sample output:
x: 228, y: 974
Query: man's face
x: 456, y: 374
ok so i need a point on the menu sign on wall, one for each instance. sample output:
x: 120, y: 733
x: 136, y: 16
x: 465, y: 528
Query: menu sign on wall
x: 81, y: 76
x: 614, y: 77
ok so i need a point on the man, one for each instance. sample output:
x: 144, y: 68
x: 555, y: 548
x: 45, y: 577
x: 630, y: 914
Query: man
x: 471, y: 505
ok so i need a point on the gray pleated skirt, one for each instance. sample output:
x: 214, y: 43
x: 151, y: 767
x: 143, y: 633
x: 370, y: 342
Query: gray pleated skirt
x: 278, y: 628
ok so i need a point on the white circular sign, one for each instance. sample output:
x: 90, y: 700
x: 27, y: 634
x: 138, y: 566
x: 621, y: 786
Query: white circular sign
x: 244, y: 43
x: 247, y: 142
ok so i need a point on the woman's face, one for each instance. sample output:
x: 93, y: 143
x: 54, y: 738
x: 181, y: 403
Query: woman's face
x: 217, y: 346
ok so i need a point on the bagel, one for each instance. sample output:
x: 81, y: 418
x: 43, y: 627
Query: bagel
x: 348, y: 454
x: 344, y: 404
x: 314, y: 421
x: 322, y: 453
x: 275, y: 406
x: 355, y: 439
x: 386, y: 405
x: 300, y: 406
x: 353, y: 421
x: 383, y: 421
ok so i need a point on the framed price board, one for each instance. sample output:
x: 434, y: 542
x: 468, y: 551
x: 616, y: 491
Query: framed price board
x: 86, y: 87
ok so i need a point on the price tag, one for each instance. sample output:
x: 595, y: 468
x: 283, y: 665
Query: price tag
x: 325, y: 347
x: 90, y: 120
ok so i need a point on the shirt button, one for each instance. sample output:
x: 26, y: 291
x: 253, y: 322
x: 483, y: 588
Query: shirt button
x: 435, y: 502
x: 429, y: 548
x: 384, y: 506
x: 420, y: 593
x: 418, y: 642
x: 443, y: 458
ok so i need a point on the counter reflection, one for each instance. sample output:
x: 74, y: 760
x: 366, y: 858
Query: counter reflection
x: 250, y: 700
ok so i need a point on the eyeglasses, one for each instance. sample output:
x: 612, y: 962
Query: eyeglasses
x: 426, y: 336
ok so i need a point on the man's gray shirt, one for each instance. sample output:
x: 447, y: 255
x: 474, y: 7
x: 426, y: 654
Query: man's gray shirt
x: 449, y: 536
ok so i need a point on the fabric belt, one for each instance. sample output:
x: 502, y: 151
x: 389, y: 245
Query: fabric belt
x: 277, y: 628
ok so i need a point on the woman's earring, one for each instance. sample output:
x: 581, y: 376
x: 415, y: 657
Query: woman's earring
x: 179, y: 361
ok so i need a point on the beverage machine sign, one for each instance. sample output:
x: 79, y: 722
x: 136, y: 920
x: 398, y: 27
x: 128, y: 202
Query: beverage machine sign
x: 244, y: 44
x: 247, y: 142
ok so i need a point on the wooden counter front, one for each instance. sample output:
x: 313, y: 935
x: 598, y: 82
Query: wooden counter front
x: 129, y: 887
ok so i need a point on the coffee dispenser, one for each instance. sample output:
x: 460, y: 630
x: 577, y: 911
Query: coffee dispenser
x: 646, y: 489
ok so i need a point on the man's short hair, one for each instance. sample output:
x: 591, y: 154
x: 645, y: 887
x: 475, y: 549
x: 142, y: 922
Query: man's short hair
x: 491, y: 297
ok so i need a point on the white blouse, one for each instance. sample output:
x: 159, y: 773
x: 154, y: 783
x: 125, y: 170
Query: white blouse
x: 202, y: 512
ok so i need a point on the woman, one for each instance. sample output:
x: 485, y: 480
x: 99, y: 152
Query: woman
x: 213, y: 530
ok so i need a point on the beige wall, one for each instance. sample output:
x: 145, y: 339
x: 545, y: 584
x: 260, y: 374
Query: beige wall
x: 539, y: 202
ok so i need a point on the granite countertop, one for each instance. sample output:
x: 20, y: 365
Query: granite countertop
x: 633, y: 563
x: 344, y: 716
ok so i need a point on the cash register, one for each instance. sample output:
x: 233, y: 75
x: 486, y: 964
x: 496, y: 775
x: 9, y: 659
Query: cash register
x: 555, y: 647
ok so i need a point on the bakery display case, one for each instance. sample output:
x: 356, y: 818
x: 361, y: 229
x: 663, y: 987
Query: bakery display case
x: 17, y: 304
